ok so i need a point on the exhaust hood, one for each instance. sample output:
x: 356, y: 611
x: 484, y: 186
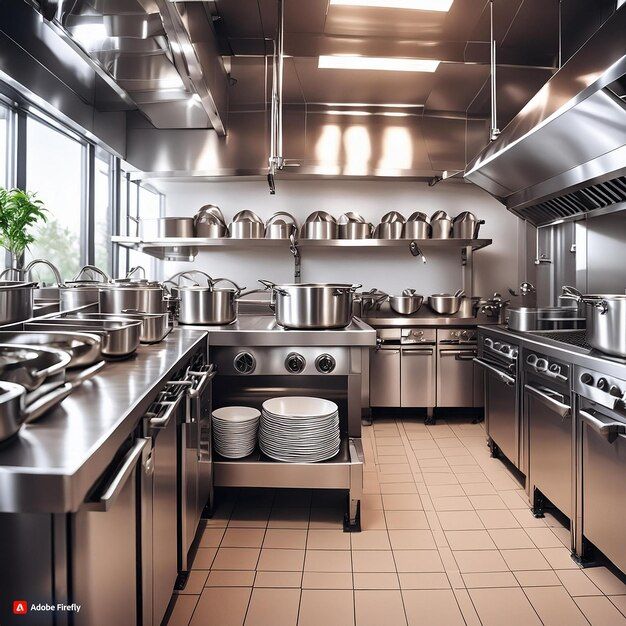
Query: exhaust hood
x: 564, y: 155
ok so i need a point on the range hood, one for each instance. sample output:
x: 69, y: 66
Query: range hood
x: 564, y: 155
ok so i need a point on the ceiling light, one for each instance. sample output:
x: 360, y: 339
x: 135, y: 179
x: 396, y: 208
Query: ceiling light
x: 418, y: 5
x: 392, y: 64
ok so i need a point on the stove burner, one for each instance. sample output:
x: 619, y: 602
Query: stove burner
x: 572, y: 337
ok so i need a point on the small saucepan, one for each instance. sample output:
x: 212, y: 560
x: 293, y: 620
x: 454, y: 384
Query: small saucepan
x: 406, y: 304
x: 446, y: 304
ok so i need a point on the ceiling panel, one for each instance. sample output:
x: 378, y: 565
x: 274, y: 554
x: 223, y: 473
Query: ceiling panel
x: 456, y: 85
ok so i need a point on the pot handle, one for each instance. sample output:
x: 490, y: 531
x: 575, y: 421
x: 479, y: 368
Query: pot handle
x: 43, y: 404
x: 238, y: 289
x: 571, y: 293
x: 283, y: 213
x: 268, y: 284
x: 477, y: 228
x: 459, y: 293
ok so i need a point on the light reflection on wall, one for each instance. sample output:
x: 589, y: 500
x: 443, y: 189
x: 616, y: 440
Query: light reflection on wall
x: 396, y: 151
x: 328, y: 147
x: 357, y: 150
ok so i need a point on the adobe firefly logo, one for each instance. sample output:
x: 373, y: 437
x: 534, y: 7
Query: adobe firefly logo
x: 20, y: 607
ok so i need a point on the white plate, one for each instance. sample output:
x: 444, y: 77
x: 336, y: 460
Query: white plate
x: 300, y: 406
x: 236, y: 414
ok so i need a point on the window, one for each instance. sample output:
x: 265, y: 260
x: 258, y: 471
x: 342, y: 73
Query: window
x: 55, y: 170
x: 103, y: 213
x: 6, y: 146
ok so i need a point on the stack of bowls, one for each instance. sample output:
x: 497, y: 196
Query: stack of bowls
x: 319, y: 225
x: 235, y: 431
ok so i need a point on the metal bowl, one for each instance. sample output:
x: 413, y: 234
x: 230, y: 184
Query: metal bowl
x: 406, y: 304
x: 446, y: 304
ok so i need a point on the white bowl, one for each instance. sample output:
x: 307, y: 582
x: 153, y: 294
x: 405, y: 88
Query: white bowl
x: 236, y: 414
x: 300, y: 406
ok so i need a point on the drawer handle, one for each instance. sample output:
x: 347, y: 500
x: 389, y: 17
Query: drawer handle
x: 505, y: 378
x: 609, y: 430
x: 547, y: 399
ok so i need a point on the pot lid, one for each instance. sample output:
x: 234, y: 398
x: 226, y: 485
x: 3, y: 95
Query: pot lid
x: 418, y: 216
x: 16, y: 284
x: 247, y: 216
x: 320, y: 216
x: 392, y: 216
x: 211, y: 213
x: 439, y: 215
x: 351, y: 217
x: 466, y: 216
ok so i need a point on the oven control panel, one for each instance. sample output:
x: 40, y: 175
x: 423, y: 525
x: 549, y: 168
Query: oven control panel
x: 501, y: 348
x: 547, y: 367
x: 457, y: 335
x: 605, y: 390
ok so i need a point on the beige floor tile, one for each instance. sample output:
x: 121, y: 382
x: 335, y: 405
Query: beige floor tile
x: 243, y: 538
x: 559, y: 558
x: 221, y: 606
x: 424, y: 444
x: 619, y: 602
x: 387, y: 488
x: 182, y: 610
x: 383, y: 449
x: 373, y: 520
x: 327, y: 539
x: 514, y: 499
x: 435, y: 453
x: 236, y: 558
x: 469, y: 540
x: 327, y: 580
x: 452, y: 503
x: 376, y: 607
x: 433, y: 607
x: 444, y: 491
x: 278, y: 579
x: 440, y: 478
x: 370, y: 540
x: 435, y: 464
x: 372, y: 501
x: 195, y: 582
x: 406, y: 520
x: 395, y: 478
x: 205, y: 558
x: 526, y: 518
x: 230, y: 578
x: 600, y: 611
x: 479, y: 489
x: 285, y: 538
x: 511, y: 538
x: 555, y: 607
x: 429, y: 580
x: 384, y: 459
x: 479, y: 561
x: 498, y: 519
x: 482, y: 580
x: 537, y: 578
x: 402, y: 502
x: 211, y: 537
x: 328, y: 561
x: 375, y: 580
x: 563, y: 535
x: 411, y: 540
x: 460, y: 520
x: 330, y: 608
x: 543, y: 537
x: 289, y: 517
x: 373, y: 561
x: 497, y: 607
x: 606, y: 581
x: 487, y: 502
x: 394, y: 468
x: 525, y: 559
x: 273, y: 607
x: 249, y: 517
x: 417, y: 561
x: 576, y: 583
x: 466, y: 478
x: 327, y: 517
x: 465, y: 604
x: 277, y: 560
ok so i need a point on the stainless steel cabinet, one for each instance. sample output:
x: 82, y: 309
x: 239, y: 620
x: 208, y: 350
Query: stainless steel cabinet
x: 385, y: 377
x: 455, y: 377
x: 418, y: 377
x: 502, y: 413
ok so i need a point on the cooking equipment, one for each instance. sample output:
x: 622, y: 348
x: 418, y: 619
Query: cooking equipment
x: 548, y: 422
x: 526, y: 319
x: 207, y: 304
x: 281, y: 225
x: 154, y: 326
x: 466, y: 226
x: 446, y: 304
x: 149, y: 229
x: 441, y: 225
x: 16, y: 301
x: 406, y: 304
x: 417, y: 226
x: 606, y: 320
x: 319, y: 225
x: 246, y: 225
x: 312, y: 305
x: 146, y: 296
x: 353, y: 226
x: 11, y: 409
x: 391, y: 226
x: 209, y: 222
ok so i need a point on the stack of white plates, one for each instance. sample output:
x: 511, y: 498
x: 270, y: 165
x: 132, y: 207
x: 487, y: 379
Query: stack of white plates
x: 299, y: 429
x: 235, y: 431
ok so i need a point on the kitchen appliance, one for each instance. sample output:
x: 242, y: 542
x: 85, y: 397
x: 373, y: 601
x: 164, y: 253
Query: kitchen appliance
x: 498, y: 356
x: 406, y: 304
x: 315, y: 306
x: 391, y: 226
x: 208, y: 304
x: 16, y: 301
x: 319, y: 225
x: 446, y: 304
x: 246, y: 225
x: 459, y: 380
x: 606, y: 320
x: 281, y: 225
x: 11, y: 409
x: 353, y: 226
x: 149, y: 229
x: 441, y: 224
x: 547, y: 408
x: 417, y: 226
x: 527, y: 319
x: 601, y: 424
x: 466, y: 226
x: 147, y: 296
x: 209, y: 222
x: 154, y: 326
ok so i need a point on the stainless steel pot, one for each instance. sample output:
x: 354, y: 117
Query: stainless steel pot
x: 82, y: 291
x: 312, y: 306
x: 446, y: 304
x: 119, y: 297
x: 11, y: 409
x: 466, y: 226
x: 320, y: 225
x: 606, y: 320
x: 154, y: 326
x: 391, y: 226
x: 406, y: 304
x: 417, y: 227
x: 281, y: 226
x: 16, y: 301
x: 246, y: 225
x: 353, y: 226
x: 160, y: 227
x: 209, y: 222
x: 441, y: 225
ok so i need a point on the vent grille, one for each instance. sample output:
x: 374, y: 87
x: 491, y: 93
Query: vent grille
x: 577, y: 203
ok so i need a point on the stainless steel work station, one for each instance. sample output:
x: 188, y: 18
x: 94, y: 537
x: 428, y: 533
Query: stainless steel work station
x: 313, y: 313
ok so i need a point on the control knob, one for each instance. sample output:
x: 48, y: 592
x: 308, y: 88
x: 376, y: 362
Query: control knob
x: 615, y: 391
x: 602, y: 384
x: 244, y: 363
x: 325, y: 363
x: 295, y: 363
x: 586, y: 379
x: 541, y: 365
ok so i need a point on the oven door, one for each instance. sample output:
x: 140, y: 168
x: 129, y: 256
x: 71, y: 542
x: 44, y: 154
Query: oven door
x: 603, y: 437
x: 418, y: 375
x: 385, y: 376
x: 501, y: 409
x: 455, y: 376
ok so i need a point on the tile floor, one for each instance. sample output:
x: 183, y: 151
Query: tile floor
x: 447, y: 539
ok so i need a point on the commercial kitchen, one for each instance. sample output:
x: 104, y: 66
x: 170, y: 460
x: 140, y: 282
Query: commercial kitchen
x: 313, y: 313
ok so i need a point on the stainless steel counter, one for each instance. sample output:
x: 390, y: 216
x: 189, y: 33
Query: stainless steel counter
x: 424, y: 317
x: 262, y: 330
x: 52, y: 463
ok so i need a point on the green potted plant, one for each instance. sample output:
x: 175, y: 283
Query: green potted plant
x: 20, y: 211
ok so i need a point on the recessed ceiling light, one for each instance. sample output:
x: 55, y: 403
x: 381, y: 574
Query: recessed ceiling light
x: 418, y: 5
x: 390, y: 64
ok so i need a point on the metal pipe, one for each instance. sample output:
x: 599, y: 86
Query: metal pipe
x: 281, y: 52
x: 494, y: 131
x: 276, y: 161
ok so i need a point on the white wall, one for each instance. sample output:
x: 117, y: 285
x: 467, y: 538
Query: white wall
x: 388, y: 269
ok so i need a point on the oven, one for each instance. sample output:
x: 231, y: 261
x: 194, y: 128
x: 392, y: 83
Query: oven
x: 601, y: 422
x: 499, y: 361
x: 548, y: 426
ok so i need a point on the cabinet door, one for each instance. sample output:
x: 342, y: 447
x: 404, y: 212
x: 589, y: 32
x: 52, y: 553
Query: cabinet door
x: 419, y: 377
x: 385, y: 377
x: 455, y: 378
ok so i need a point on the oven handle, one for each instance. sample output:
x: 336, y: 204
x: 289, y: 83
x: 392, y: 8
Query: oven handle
x: 459, y: 355
x: 546, y: 397
x: 205, y: 378
x: 505, y: 378
x: 609, y: 430
x: 424, y: 351
x: 162, y: 422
